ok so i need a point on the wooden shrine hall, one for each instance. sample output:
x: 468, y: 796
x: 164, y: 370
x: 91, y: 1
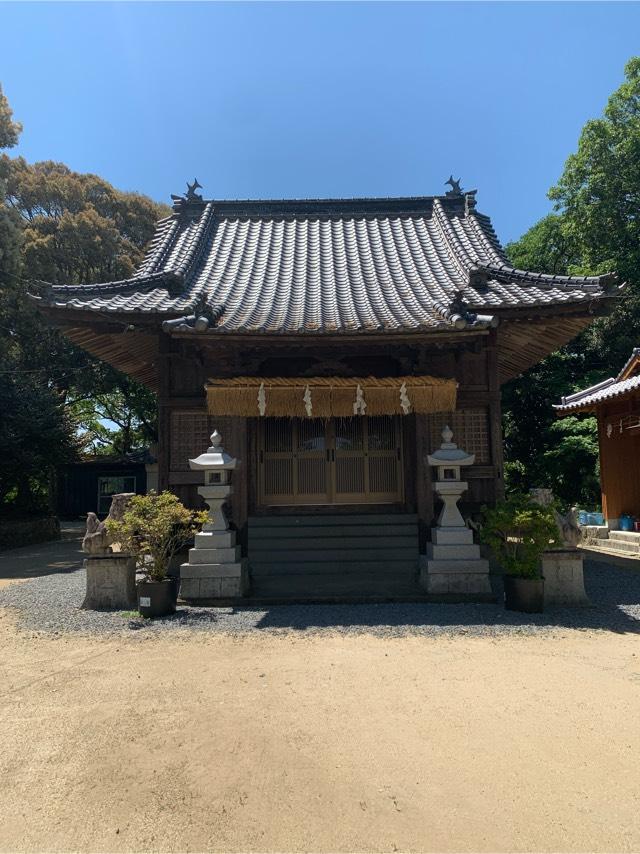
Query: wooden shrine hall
x: 329, y: 341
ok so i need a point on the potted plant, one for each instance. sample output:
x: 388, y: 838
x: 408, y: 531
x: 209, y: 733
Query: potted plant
x: 153, y: 528
x: 518, y: 531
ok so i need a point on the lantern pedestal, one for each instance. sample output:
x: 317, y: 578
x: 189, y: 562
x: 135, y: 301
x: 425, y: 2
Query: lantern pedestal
x: 216, y: 569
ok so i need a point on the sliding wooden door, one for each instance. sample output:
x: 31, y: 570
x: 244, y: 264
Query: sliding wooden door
x: 340, y: 461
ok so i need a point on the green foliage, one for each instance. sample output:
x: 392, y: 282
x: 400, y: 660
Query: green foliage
x: 9, y: 130
x: 518, y: 531
x: 596, y: 229
x: 35, y: 437
x: 64, y: 227
x: 153, y: 528
x: 545, y: 248
x: 572, y: 462
x: 599, y: 196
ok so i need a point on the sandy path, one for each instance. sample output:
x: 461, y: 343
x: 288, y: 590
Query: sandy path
x: 322, y: 743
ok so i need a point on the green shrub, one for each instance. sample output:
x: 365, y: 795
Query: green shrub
x: 153, y: 528
x: 518, y: 531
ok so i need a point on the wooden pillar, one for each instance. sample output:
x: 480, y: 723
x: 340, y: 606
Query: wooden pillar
x: 495, y: 415
x: 164, y: 412
x: 423, y: 487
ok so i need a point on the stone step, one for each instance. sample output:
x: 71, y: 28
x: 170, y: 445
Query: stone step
x: 332, y: 585
x: 350, y: 567
x: 293, y: 542
x: 197, y: 556
x: 212, y: 570
x: 348, y: 553
x: 452, y: 552
x: 322, y: 520
x: 449, y: 566
x: 222, y: 540
x: 346, y: 530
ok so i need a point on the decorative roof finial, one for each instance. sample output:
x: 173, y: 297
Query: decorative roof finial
x: 190, y: 195
x: 455, y: 190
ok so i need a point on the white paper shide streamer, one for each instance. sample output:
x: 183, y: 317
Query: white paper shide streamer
x: 262, y: 400
x: 308, y: 405
x: 360, y: 404
x: 405, y: 403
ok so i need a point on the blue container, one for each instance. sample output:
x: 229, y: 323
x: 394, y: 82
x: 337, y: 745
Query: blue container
x: 626, y: 523
x: 583, y: 517
x: 595, y: 519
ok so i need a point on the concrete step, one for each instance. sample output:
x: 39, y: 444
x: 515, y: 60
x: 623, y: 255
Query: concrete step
x: 625, y: 536
x: 619, y: 547
x: 349, y: 567
x: 598, y: 532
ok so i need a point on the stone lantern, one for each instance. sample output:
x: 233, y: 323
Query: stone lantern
x: 215, y: 569
x: 448, y: 460
x: 452, y: 567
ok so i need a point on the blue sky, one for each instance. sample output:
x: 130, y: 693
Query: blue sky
x: 267, y: 100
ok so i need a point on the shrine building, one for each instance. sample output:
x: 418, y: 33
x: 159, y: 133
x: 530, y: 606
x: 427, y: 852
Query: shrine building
x: 329, y: 341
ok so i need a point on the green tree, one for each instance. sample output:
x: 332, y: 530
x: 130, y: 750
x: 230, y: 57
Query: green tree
x: 63, y: 227
x: 599, y: 197
x: 596, y: 229
x: 35, y: 432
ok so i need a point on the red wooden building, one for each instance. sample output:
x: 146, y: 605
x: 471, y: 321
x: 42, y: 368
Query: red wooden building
x: 329, y: 341
x: 616, y: 404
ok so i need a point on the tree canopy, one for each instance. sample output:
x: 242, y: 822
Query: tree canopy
x: 596, y: 229
x: 63, y: 227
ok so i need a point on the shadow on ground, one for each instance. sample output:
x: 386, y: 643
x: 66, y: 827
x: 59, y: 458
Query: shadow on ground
x: 51, y: 558
x: 52, y: 599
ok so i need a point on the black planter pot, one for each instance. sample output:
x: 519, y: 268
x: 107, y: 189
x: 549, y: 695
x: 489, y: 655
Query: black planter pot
x: 156, y: 598
x: 524, y: 594
x: 175, y: 588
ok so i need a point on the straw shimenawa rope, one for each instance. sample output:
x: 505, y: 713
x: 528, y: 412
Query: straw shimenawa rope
x: 330, y: 396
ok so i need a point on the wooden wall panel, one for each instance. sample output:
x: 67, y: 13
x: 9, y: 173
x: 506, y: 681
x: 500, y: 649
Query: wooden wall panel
x: 619, y: 470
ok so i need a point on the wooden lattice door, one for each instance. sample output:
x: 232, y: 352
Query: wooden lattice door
x: 344, y: 461
x: 293, y: 462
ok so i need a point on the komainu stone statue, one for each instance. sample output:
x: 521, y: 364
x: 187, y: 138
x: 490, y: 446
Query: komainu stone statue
x: 562, y: 565
x: 111, y: 575
x: 568, y: 527
x: 96, y: 539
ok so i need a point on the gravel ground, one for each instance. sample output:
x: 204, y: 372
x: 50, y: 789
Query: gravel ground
x: 51, y: 604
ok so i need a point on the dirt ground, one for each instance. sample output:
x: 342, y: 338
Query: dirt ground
x: 320, y: 743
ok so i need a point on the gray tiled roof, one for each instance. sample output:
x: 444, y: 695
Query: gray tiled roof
x: 590, y: 397
x: 327, y: 266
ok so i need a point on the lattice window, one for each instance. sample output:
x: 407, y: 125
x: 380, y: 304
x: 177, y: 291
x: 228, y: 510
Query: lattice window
x: 189, y: 437
x: 470, y: 432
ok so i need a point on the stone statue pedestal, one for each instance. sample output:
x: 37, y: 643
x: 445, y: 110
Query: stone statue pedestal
x: 564, y: 578
x: 111, y: 583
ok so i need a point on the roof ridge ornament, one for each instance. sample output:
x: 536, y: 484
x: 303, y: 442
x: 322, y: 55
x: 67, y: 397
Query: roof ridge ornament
x: 456, y: 189
x: 190, y: 195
